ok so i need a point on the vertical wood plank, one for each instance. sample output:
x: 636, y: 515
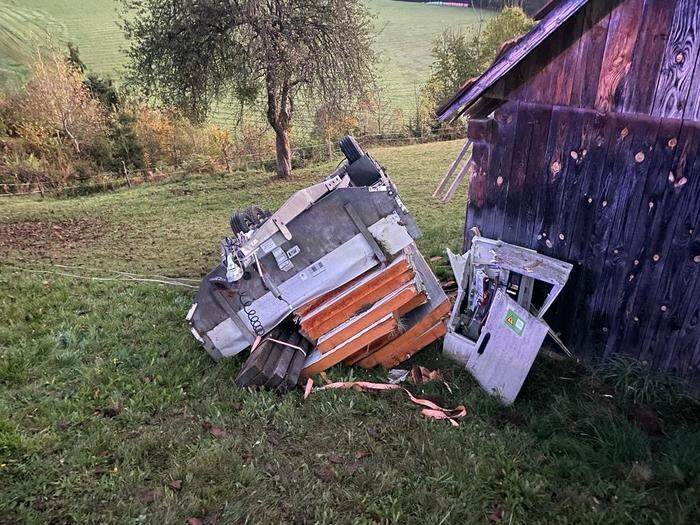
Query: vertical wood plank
x: 593, y: 332
x: 550, y: 196
x: 523, y: 141
x: 591, y: 49
x: 678, y: 62
x: 593, y: 152
x: 563, y: 65
x: 623, y: 30
x: 570, y: 160
x: 581, y: 203
x: 628, y: 180
x: 664, y: 256
x: 558, y: 56
x: 692, y: 107
x: 534, y: 179
x: 632, y: 171
x: 505, y: 122
x: 639, y: 86
x: 682, y: 322
x: 686, y: 346
x: 480, y: 132
x: 674, y: 292
x: 641, y: 279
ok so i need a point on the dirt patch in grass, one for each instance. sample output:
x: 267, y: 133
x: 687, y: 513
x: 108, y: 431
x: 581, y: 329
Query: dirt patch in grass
x: 40, y: 236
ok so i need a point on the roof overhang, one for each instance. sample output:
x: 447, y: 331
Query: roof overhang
x: 473, y: 89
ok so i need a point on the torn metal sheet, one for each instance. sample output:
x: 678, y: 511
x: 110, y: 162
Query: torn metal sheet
x: 494, y: 329
x: 390, y: 234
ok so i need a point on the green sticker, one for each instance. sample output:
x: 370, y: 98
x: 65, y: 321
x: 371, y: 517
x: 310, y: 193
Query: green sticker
x: 515, y: 322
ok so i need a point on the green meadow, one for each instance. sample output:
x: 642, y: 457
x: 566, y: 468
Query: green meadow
x: 404, y: 35
x: 111, y: 412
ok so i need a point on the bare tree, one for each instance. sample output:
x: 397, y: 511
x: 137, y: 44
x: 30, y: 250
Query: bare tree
x: 192, y: 54
x: 56, y: 101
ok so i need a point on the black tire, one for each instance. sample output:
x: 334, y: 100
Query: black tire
x: 240, y: 223
x: 351, y: 149
x: 257, y: 214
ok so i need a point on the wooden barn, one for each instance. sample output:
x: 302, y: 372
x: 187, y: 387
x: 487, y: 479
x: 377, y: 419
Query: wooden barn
x: 586, y: 147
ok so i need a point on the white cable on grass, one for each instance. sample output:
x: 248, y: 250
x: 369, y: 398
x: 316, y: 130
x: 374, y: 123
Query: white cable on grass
x: 103, y: 279
x: 128, y: 274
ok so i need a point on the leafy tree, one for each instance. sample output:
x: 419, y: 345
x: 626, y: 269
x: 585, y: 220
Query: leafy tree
x: 458, y: 57
x: 101, y: 88
x: 192, y: 54
x: 125, y: 144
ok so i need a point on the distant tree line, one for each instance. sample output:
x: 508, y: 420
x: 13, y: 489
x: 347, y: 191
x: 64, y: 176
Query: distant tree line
x: 529, y: 6
x: 69, y: 127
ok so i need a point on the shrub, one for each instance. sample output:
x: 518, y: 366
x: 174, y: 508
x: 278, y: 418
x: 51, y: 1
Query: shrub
x: 124, y: 140
x: 458, y: 57
x: 251, y: 144
x: 166, y: 138
x: 55, y: 101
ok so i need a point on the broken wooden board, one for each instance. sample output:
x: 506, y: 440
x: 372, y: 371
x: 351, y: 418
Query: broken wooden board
x: 254, y: 364
x: 284, y: 360
x: 379, y: 310
x: 335, y: 319
x: 403, y: 345
x: 414, y: 322
x: 414, y: 345
x: 276, y: 362
x: 317, y: 362
x: 311, y: 305
x: 361, y: 295
x: 294, y: 371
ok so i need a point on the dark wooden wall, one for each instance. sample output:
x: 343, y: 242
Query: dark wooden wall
x: 632, y: 56
x: 617, y: 195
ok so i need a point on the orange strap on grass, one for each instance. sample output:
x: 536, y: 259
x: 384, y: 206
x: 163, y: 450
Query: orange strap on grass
x: 431, y: 410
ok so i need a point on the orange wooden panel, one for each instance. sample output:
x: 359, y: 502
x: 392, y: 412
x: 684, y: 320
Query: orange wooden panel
x: 417, y: 344
x: 311, y: 305
x: 346, y: 307
x: 414, y: 303
x: 356, y: 324
x: 397, y: 345
x: 348, y: 348
x: 371, y: 348
x: 373, y: 278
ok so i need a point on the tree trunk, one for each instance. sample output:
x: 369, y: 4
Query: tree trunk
x: 279, y: 115
x: 284, y: 153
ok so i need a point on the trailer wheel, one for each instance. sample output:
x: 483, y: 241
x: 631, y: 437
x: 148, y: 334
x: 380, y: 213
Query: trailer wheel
x: 240, y: 222
x: 351, y: 149
x: 257, y: 214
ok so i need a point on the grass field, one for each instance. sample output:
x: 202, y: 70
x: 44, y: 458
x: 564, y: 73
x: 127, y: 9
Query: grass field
x: 106, y: 399
x: 405, y: 32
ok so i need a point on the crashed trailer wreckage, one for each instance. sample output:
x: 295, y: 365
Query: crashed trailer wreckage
x: 333, y: 275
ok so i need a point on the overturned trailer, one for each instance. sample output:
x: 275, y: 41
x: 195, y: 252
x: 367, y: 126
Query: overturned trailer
x: 322, y: 252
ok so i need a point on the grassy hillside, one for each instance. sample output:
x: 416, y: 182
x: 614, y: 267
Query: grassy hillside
x: 405, y: 32
x: 111, y: 413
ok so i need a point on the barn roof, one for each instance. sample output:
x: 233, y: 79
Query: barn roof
x: 552, y: 16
